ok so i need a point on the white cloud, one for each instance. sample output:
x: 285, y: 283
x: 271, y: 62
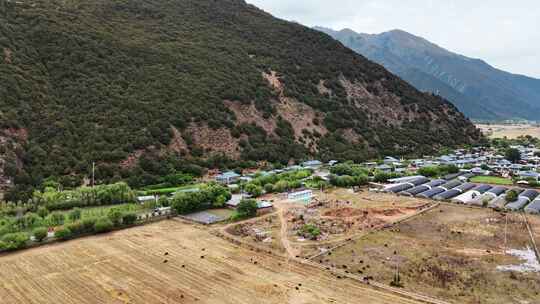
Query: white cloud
x: 503, y: 33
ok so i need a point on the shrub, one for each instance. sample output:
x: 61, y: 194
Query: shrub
x: 63, y: 233
x: 76, y: 227
x: 310, y: 231
x: 269, y: 188
x: 88, y: 224
x: 115, y: 215
x: 164, y: 201
x: 40, y: 233
x: 43, y: 211
x: 129, y: 218
x: 55, y: 219
x: 247, y: 208
x: 103, y: 224
x: 14, y: 241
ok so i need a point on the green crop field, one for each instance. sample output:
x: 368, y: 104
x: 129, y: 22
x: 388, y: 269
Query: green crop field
x: 170, y: 190
x: 492, y: 180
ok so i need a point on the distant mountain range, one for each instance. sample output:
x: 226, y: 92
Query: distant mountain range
x: 476, y: 88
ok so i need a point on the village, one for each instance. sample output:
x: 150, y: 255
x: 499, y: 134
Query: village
x: 416, y: 228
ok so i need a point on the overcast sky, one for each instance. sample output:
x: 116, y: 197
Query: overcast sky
x: 506, y: 34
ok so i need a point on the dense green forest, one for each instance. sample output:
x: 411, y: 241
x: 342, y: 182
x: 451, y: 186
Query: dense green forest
x: 98, y: 80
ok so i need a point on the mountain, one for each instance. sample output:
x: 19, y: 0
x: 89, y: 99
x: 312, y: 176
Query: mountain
x: 476, y: 88
x: 148, y: 88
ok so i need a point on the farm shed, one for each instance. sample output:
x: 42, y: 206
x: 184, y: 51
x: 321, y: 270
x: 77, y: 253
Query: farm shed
x: 469, y: 196
x: 500, y: 201
x: 408, y: 185
x: 422, y: 188
x: 454, y: 192
x: 147, y: 198
x: 440, y: 189
x: 264, y: 207
x: 204, y: 217
x: 523, y: 200
x: 228, y: 178
x: 534, y: 207
x: 488, y: 196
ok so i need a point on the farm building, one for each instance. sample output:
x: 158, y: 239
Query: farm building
x: 454, y: 192
x: 312, y: 164
x: 234, y: 201
x: 523, y: 200
x: 500, y: 201
x: 407, y: 185
x: 228, y: 178
x: 264, y: 207
x: 404, y: 179
x: 470, y: 196
x: 423, y: 188
x: 488, y: 196
x: 304, y: 196
x: 204, y: 217
x: 147, y: 198
x: 440, y: 189
x: 534, y: 207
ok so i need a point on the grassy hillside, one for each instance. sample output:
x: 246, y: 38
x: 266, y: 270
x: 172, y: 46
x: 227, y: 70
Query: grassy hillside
x: 148, y: 88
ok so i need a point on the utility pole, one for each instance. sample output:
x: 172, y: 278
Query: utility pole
x: 93, y: 173
x: 505, y: 232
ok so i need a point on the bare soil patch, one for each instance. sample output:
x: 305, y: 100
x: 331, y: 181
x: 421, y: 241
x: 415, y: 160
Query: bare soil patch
x: 450, y: 252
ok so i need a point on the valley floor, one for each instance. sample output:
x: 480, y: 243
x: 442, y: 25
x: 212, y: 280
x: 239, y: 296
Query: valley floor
x: 509, y: 131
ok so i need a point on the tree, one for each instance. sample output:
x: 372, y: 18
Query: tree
x: 14, y: 241
x: 512, y: 155
x: 115, y: 215
x: 40, y: 233
x: 103, y: 224
x: 129, y: 218
x: 254, y: 190
x: 42, y: 211
x: 429, y: 171
x: 75, y: 214
x: 55, y: 219
x: 247, y: 208
x: 511, y: 196
x: 269, y: 188
x: 63, y: 233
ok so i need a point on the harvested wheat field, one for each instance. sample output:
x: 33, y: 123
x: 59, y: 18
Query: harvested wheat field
x: 169, y: 262
x: 452, y: 253
x: 510, y: 131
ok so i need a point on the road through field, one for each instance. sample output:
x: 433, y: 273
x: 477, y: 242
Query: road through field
x: 169, y: 262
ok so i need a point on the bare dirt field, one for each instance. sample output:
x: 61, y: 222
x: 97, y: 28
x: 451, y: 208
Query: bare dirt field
x: 451, y: 253
x: 169, y: 262
x: 338, y: 215
x: 510, y: 131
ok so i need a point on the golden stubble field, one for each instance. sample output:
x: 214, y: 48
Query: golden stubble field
x: 169, y: 262
x: 510, y: 131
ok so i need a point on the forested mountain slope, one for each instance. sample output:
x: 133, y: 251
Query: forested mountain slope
x: 149, y: 88
x: 476, y: 88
